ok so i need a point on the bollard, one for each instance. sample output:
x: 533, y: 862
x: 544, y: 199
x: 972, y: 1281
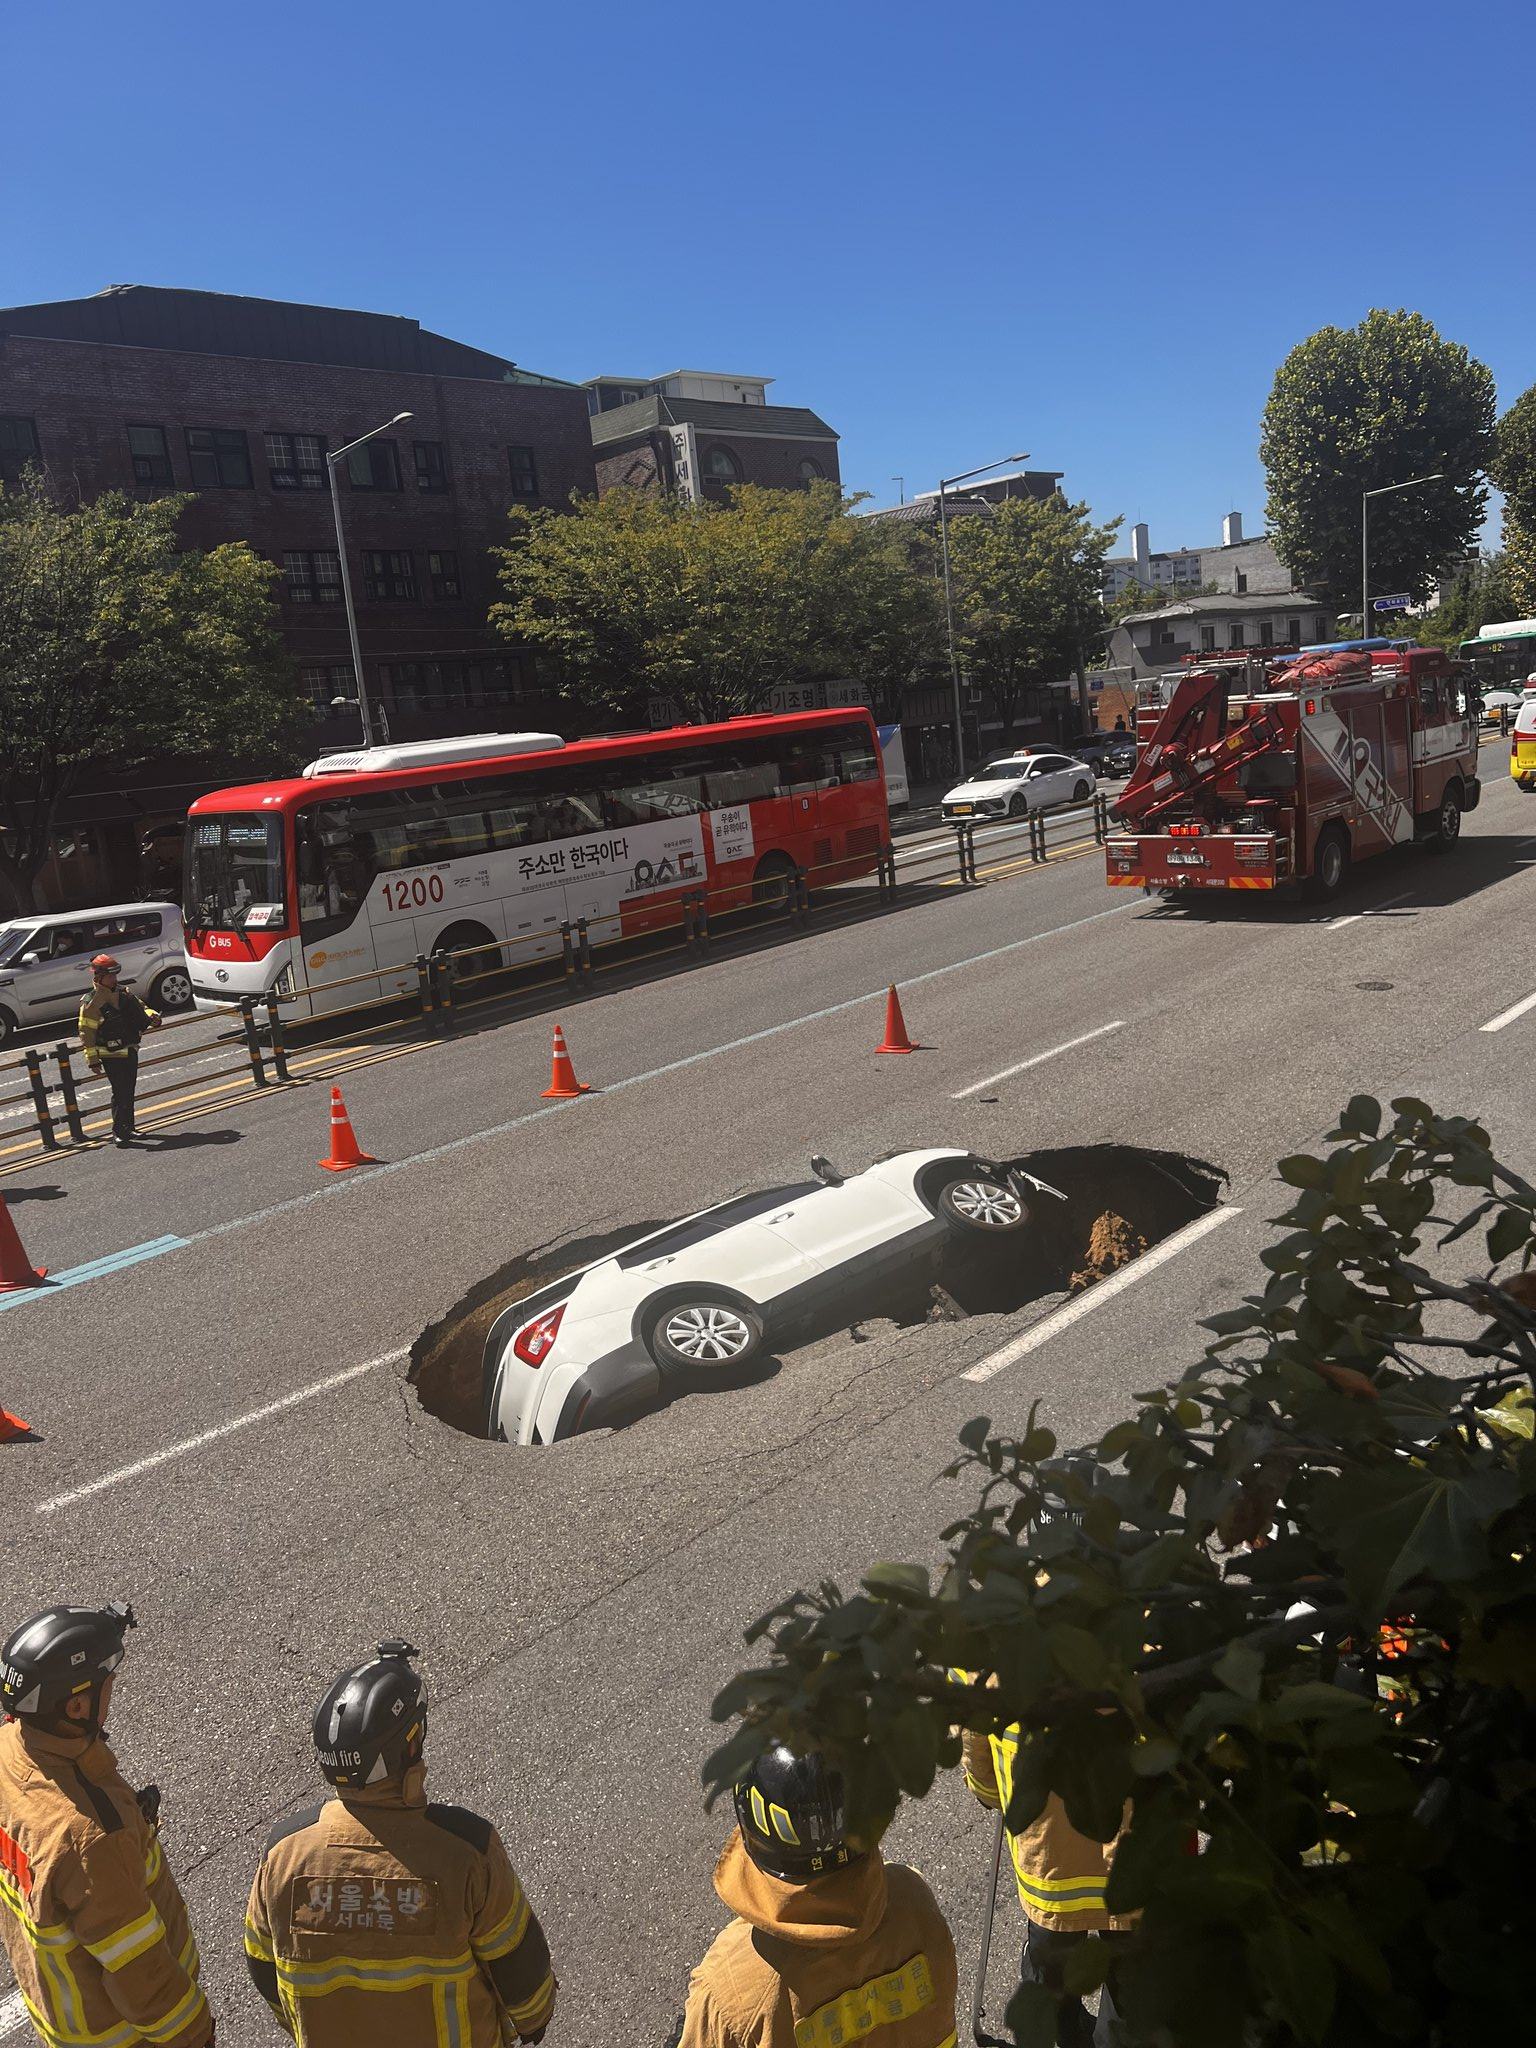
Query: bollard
x: 965, y: 846
x: 39, y: 1089
x: 424, y: 985
x: 1036, y: 836
x: 275, y: 1034
x: 567, y: 952
x: 71, y: 1099
x: 252, y: 1042
x: 583, y: 947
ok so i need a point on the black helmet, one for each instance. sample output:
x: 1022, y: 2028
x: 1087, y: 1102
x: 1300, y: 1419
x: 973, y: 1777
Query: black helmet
x: 59, y: 1653
x: 372, y: 1723
x: 791, y: 1813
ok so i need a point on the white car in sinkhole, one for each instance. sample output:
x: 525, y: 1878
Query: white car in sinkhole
x: 705, y: 1294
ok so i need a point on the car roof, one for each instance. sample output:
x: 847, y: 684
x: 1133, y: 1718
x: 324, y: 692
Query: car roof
x: 92, y: 912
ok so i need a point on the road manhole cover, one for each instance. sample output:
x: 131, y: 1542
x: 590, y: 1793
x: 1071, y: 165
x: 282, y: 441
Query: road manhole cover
x: 1373, y: 987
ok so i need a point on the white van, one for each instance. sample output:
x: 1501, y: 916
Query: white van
x: 45, y: 961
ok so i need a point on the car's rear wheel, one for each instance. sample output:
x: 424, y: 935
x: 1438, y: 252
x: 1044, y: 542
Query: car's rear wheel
x: 7, y: 1026
x: 172, y: 990
x: 704, y: 1333
x: 977, y: 1205
x: 1081, y: 793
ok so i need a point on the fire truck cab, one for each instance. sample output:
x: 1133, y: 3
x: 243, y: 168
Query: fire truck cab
x: 1259, y: 773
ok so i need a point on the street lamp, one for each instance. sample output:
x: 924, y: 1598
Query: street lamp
x: 1365, y: 548
x: 949, y: 596
x: 331, y: 460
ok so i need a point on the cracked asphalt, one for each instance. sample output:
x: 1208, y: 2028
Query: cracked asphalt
x: 579, y: 1606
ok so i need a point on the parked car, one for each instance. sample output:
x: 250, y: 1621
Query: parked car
x: 1497, y: 701
x: 707, y: 1293
x: 1097, y: 748
x: 1026, y: 781
x: 45, y: 961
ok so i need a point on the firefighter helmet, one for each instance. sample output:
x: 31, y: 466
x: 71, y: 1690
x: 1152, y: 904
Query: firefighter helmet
x: 100, y: 962
x: 372, y: 1723
x: 60, y: 1653
x: 791, y: 1813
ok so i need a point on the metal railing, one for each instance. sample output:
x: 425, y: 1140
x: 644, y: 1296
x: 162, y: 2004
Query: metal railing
x: 434, y: 991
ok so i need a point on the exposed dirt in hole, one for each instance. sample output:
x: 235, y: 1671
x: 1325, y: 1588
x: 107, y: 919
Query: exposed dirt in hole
x: 1121, y: 1199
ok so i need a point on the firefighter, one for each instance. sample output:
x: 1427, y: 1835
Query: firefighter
x: 376, y: 1917
x: 829, y: 1943
x: 112, y: 1021
x: 96, y: 1929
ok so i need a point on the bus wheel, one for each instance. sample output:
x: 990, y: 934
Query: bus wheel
x: 1330, y: 864
x: 1447, y: 820
x: 458, y: 939
x: 773, y: 881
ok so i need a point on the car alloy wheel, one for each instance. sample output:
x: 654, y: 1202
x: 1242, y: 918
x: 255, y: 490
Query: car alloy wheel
x: 706, y: 1333
x: 983, y: 1205
x: 173, y: 991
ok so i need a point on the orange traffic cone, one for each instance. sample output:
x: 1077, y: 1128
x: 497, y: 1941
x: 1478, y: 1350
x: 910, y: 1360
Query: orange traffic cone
x: 563, y: 1084
x: 12, y: 1426
x: 345, y: 1150
x: 896, y: 1039
x: 16, y: 1269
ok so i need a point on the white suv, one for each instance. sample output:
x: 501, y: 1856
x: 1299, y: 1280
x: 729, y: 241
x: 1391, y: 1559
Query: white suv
x: 45, y: 961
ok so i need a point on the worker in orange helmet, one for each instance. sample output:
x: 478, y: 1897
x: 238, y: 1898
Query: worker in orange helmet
x: 112, y: 1022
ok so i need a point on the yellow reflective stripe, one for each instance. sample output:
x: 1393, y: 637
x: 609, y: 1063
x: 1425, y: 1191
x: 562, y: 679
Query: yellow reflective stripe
x: 783, y: 1826
x: 120, y: 1949
x: 898, y: 1995
x: 179, y: 2016
x: 526, y: 2017
x: 505, y: 1935
x: 353, y: 1973
x: 258, y: 1944
x: 154, y: 1862
x: 76, y: 2037
x: 55, y: 1935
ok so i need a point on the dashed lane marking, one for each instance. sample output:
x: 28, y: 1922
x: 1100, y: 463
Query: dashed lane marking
x: 1337, y: 924
x: 1103, y: 1290
x: 195, y: 1443
x: 1508, y: 1016
x: 1039, y: 1059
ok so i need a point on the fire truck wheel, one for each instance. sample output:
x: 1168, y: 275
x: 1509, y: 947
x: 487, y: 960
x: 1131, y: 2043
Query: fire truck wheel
x: 1330, y: 865
x: 1447, y: 821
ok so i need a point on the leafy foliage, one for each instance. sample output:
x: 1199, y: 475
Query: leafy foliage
x: 1477, y: 597
x: 1512, y: 464
x: 712, y: 604
x: 1287, y: 1610
x: 116, y: 645
x: 1357, y: 408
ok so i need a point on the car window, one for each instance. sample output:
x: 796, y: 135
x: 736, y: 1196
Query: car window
x: 16, y: 940
x: 144, y: 925
x: 69, y: 939
x: 713, y: 1221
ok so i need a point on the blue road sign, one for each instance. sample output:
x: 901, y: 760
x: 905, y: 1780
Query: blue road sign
x: 1400, y: 603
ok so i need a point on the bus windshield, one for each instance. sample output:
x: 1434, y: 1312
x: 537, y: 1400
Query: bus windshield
x: 235, y: 872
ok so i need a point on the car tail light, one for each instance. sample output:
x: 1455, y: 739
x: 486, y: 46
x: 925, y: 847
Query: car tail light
x: 533, y: 1340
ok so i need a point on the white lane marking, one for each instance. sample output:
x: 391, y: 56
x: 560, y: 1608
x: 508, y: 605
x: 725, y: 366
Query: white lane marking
x: 208, y: 1436
x: 1508, y: 1016
x: 13, y: 2013
x: 1039, y: 1058
x: 1104, y: 1290
x: 1337, y: 924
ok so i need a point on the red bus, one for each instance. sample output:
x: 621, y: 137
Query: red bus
x: 372, y: 858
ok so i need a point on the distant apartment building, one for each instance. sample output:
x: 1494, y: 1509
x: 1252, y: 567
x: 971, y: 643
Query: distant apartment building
x: 1238, y: 567
x: 698, y: 433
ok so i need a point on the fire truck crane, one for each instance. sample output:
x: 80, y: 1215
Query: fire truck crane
x: 1285, y: 769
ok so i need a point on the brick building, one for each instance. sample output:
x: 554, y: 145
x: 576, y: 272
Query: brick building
x: 237, y: 399
x: 698, y: 432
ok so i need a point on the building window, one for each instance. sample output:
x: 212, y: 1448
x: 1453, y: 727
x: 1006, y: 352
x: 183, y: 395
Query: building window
x: 1241, y: 583
x: 1207, y: 639
x: 810, y: 468
x: 328, y: 681
x: 722, y: 465
x: 151, y: 456
x: 296, y: 462
x: 390, y: 576
x: 525, y: 474
x: 433, y: 688
x: 18, y: 445
x: 1293, y: 631
x: 443, y: 568
x: 1266, y: 634
x: 374, y: 467
x: 1235, y: 634
x: 1322, y: 629
x: 312, y: 578
x: 431, y: 466
x: 219, y: 458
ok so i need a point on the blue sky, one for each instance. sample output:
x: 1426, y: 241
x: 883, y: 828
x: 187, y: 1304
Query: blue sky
x: 955, y: 231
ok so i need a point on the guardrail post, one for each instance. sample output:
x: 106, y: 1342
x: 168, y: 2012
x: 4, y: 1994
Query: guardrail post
x: 583, y: 947
x: 1504, y: 721
x: 275, y: 1033
x: 39, y: 1089
x: 800, y: 903
x: 252, y: 1042
x: 1036, y: 836
x: 443, y: 967
x: 1100, y: 816
x: 885, y: 872
x: 567, y: 952
x: 71, y: 1099
x: 424, y: 985
x: 701, y: 918
x: 690, y: 935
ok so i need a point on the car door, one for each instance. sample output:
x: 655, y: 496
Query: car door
x: 135, y: 939
x: 856, y: 1228
x: 61, y: 976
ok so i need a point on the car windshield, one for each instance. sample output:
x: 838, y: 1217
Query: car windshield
x: 13, y: 941
x: 1001, y: 771
x: 234, y: 872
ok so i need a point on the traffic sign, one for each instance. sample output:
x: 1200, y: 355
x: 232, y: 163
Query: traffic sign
x: 1400, y: 603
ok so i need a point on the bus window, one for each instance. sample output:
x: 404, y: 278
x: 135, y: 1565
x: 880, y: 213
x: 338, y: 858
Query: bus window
x: 514, y: 820
x: 663, y: 786
x: 853, y: 753
x: 336, y: 867
x: 407, y: 827
x: 741, y: 772
x: 806, y: 764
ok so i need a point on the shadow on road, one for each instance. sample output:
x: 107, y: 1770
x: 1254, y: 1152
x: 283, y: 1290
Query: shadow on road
x: 180, y: 1141
x: 40, y: 1194
x: 1430, y: 881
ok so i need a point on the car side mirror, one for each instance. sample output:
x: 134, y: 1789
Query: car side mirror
x: 826, y: 1172
x: 29, y: 959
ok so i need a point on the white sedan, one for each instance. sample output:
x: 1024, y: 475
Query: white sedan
x: 706, y: 1293
x: 1019, y: 783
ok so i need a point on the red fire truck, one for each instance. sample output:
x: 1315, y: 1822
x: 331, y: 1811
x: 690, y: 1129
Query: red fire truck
x: 1258, y: 773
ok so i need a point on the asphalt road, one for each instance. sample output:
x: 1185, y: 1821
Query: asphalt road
x: 227, y: 1437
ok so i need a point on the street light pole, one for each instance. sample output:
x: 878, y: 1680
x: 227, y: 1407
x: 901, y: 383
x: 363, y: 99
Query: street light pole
x: 333, y: 457
x: 1365, y: 544
x: 949, y: 596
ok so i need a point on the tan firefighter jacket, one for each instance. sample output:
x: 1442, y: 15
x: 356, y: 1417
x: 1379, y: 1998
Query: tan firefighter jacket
x: 94, y: 1925
x: 1061, y: 1874
x: 862, y: 1954
x: 110, y: 1026
x: 378, y: 1918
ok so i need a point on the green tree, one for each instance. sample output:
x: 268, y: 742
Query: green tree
x: 1478, y: 596
x: 116, y: 645
x: 1359, y: 1768
x: 712, y: 604
x: 1027, y: 580
x: 1513, y: 469
x: 1356, y: 408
